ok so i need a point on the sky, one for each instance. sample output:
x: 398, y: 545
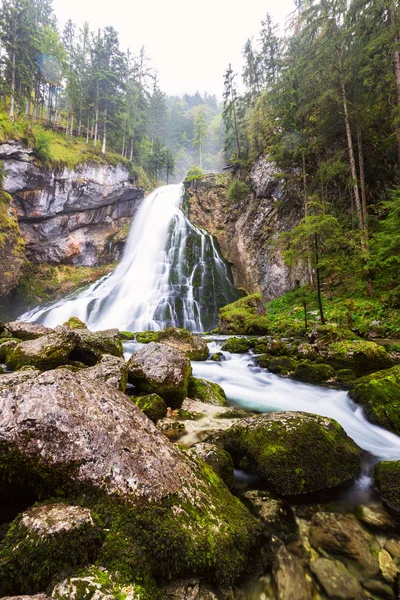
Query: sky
x: 190, y: 43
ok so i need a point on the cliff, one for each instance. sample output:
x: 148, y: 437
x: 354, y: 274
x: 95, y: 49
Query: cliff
x: 247, y: 229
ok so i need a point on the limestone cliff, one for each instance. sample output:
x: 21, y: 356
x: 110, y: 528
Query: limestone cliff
x: 69, y: 216
x: 248, y: 229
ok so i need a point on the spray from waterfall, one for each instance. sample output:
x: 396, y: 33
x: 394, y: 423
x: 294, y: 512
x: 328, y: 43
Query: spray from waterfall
x: 171, y: 274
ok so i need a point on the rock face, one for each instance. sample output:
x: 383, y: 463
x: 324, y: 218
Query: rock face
x: 44, y: 353
x: 246, y: 229
x: 387, y: 482
x: 12, y: 245
x: 296, y: 452
x: 69, y: 216
x: 160, y: 369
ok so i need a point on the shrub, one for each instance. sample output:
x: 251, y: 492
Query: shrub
x: 193, y: 174
x: 238, y: 190
x: 41, y: 149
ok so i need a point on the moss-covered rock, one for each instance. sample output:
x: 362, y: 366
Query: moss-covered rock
x: 145, y: 337
x: 27, y: 331
x: 386, y: 481
x: 296, y: 452
x: 218, y: 459
x: 217, y: 357
x: 12, y: 246
x: 313, y: 372
x: 276, y: 516
x: 359, y: 355
x: 153, y: 406
x: 127, y: 336
x: 206, y: 391
x: 45, y: 541
x: 237, y: 345
x: 345, y: 376
x: 45, y: 353
x: 243, y: 317
x: 91, y: 345
x: 282, y: 365
x: 160, y: 369
x: 379, y: 394
x: 306, y: 352
x: 264, y: 360
x: 331, y: 332
x: 74, y: 323
x: 6, y: 346
x: 192, y: 346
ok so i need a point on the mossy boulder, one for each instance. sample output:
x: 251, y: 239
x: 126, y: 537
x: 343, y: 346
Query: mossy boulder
x: 276, y: 515
x: 282, y: 365
x: 345, y: 376
x: 386, y: 481
x: 7, y: 346
x: 145, y: 337
x: 243, y: 317
x: 91, y: 345
x: 160, y: 369
x: 27, y: 331
x: 295, y: 452
x: 379, y: 394
x: 359, y: 355
x: 152, y: 405
x: 306, y: 351
x: 45, y: 353
x: 74, y: 323
x: 45, y: 541
x: 237, y: 345
x: 331, y: 332
x: 164, y: 512
x: 218, y: 459
x: 264, y: 360
x: 192, y: 346
x: 217, y: 357
x: 206, y: 391
x: 313, y: 372
x: 127, y: 336
x: 110, y: 369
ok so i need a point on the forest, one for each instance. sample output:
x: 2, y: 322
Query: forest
x: 323, y: 103
x: 82, y: 83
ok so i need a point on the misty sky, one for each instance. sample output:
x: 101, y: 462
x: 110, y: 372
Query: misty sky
x: 190, y: 43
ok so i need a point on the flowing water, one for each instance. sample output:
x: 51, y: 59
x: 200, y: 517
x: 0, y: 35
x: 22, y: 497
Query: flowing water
x: 171, y: 274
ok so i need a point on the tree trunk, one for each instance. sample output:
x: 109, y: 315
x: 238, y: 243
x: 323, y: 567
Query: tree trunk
x: 201, y: 157
x: 364, y: 203
x: 103, y: 148
x: 396, y: 61
x: 123, y: 139
x: 28, y: 105
x: 96, y: 119
x: 87, y: 130
x: 321, y: 311
x: 12, y: 95
x: 131, y: 150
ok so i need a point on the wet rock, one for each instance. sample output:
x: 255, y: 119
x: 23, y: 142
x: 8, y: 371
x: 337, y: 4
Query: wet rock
x: 6, y: 346
x: 171, y: 428
x: 218, y: 459
x: 45, y: 353
x: 71, y: 437
x: 160, y: 369
x: 296, y: 452
x: 27, y: 331
x: 45, y: 541
x: 192, y: 346
x: 206, y: 391
x: 379, y: 394
x: 282, y: 365
x: 237, y: 345
x: 9, y: 379
x: 313, y: 372
x: 387, y: 566
x: 386, y: 481
x: 190, y: 589
x: 342, y: 536
x: 218, y: 357
x: 288, y: 575
x: 359, y: 355
x: 91, y: 345
x: 382, y: 590
x: 153, y: 406
x: 336, y: 580
x: 306, y: 352
x: 393, y: 547
x: 276, y: 515
x: 97, y: 584
x: 111, y: 370
x: 376, y: 516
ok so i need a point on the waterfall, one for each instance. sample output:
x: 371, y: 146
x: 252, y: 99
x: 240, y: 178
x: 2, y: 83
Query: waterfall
x: 171, y: 274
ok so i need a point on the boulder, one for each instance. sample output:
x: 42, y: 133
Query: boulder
x: 237, y: 345
x: 217, y: 357
x: 336, y: 580
x: 359, y: 355
x: 296, y: 452
x: 111, y: 370
x: 27, y: 331
x: 206, y: 391
x: 386, y: 481
x: 288, y: 574
x: 342, y: 536
x: 9, y: 379
x: 192, y: 346
x: 6, y: 346
x: 282, y: 365
x: 379, y: 394
x: 313, y: 372
x: 152, y: 405
x: 377, y: 517
x: 218, y: 459
x: 74, y: 323
x: 190, y: 589
x: 45, y: 353
x: 166, y: 512
x: 44, y: 541
x: 91, y: 345
x: 276, y: 516
x: 160, y: 369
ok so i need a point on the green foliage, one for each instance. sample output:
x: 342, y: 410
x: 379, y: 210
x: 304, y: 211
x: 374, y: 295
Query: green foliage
x: 238, y: 190
x: 194, y: 174
x: 41, y: 149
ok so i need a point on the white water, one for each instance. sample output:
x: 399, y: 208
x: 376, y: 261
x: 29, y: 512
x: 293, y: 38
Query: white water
x: 171, y: 274
x: 257, y: 390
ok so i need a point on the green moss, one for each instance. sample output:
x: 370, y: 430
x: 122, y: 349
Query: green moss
x: 153, y: 406
x: 145, y: 337
x: 345, y: 376
x: 74, y: 323
x: 206, y: 391
x: 313, y: 372
x: 264, y: 360
x: 127, y: 335
x: 379, y: 394
x: 386, y: 481
x: 282, y: 365
x: 217, y: 357
x: 359, y: 355
x: 237, y: 345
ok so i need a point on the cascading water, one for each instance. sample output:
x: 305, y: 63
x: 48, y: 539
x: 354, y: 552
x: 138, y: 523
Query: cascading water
x: 171, y: 274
